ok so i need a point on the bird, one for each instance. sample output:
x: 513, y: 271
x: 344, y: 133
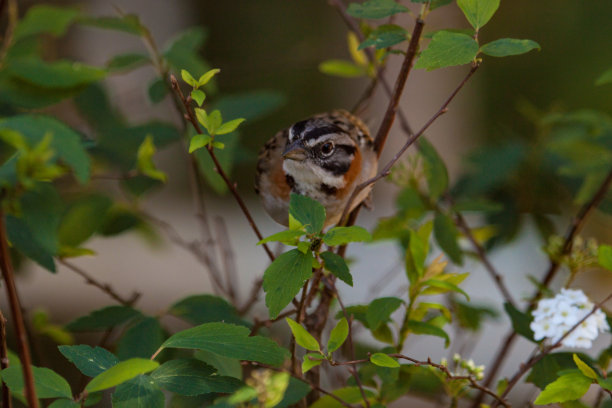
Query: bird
x: 323, y: 157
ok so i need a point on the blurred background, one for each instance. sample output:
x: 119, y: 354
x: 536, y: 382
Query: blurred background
x: 275, y: 47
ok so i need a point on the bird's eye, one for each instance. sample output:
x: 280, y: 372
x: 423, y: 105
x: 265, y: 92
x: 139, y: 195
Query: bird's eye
x: 327, y: 148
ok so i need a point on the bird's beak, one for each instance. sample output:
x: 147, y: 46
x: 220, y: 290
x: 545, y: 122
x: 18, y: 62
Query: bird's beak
x: 295, y: 151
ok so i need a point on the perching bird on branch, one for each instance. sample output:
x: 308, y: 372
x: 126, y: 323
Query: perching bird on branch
x: 323, y: 157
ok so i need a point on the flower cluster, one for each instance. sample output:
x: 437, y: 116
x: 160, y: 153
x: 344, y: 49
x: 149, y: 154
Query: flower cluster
x: 554, y: 317
x: 465, y: 367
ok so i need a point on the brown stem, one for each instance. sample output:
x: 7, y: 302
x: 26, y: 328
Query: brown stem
x: 385, y: 126
x: 104, y: 287
x: 533, y: 360
x: 574, y: 228
x: 18, y: 322
x: 4, y: 361
x: 482, y: 255
x: 227, y: 257
x: 13, y: 17
x: 230, y: 185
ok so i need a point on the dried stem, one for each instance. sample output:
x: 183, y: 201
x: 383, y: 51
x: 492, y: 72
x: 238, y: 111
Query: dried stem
x: 4, y: 361
x: 17, y: 316
x: 104, y: 287
x: 546, y: 350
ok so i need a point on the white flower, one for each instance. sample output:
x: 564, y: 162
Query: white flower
x: 554, y: 317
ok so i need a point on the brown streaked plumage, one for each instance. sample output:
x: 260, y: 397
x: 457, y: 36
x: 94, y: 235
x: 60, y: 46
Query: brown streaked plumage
x: 324, y: 157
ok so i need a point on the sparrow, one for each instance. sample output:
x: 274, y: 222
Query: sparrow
x: 323, y: 157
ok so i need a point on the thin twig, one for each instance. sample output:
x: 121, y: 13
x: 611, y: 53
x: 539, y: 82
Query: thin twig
x: 194, y: 248
x: 482, y: 255
x: 18, y: 319
x: 387, y: 169
x: 227, y: 257
x: 4, y: 361
x: 574, y: 228
x: 353, y: 367
x: 546, y: 350
x: 266, y: 323
x: 104, y: 287
x: 577, y: 223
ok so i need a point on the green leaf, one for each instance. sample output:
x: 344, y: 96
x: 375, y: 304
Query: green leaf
x: 205, y: 78
x: 434, y: 168
x: 374, y: 9
x: 183, y: 51
x: 448, y: 49
x: 83, y: 218
x: 145, y: 160
x: 385, y: 36
x: 445, y: 285
x: 446, y: 236
x: 344, y: 235
x: 509, y: 46
x: 335, y: 264
x: 311, y: 360
x: 384, y: 360
x: 225, y: 366
x: 568, y: 387
x: 426, y: 328
x: 605, y: 78
x: 90, y: 361
x: 214, y: 121
x: 308, y: 212
x: 229, y: 127
x: 416, y: 253
x: 198, y: 96
x: 284, y: 278
x: 250, y: 105
x: 520, y: 321
x: 188, y: 78
x: 126, y: 62
x: 65, y: 142
x: 104, y: 319
x: 157, y: 90
x: 302, y: 337
x: 226, y: 158
x: 198, y: 142
x: 139, y: 392
x: 478, y: 12
x: 338, y: 335
x: 65, y: 403
x: 58, y: 74
x: 141, y: 339
x: 350, y: 395
x: 229, y: 340
x: 128, y: 23
x: 189, y: 376
x: 48, y: 384
x: 604, y: 256
x: 342, y: 68
x: 120, y: 373
x: 288, y: 237
x: 296, y: 390
x: 471, y: 316
x: 584, y: 368
x: 199, y: 309
x: 45, y: 19
x: 26, y: 242
x: 380, y: 310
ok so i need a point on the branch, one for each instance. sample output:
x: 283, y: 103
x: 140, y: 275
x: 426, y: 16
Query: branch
x: 482, y: 255
x: 228, y: 258
x: 533, y: 360
x: 104, y: 287
x: 4, y: 361
x: 385, y: 126
x: 311, y: 384
x: 387, y: 169
x: 18, y: 321
x: 231, y: 186
x: 575, y: 227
